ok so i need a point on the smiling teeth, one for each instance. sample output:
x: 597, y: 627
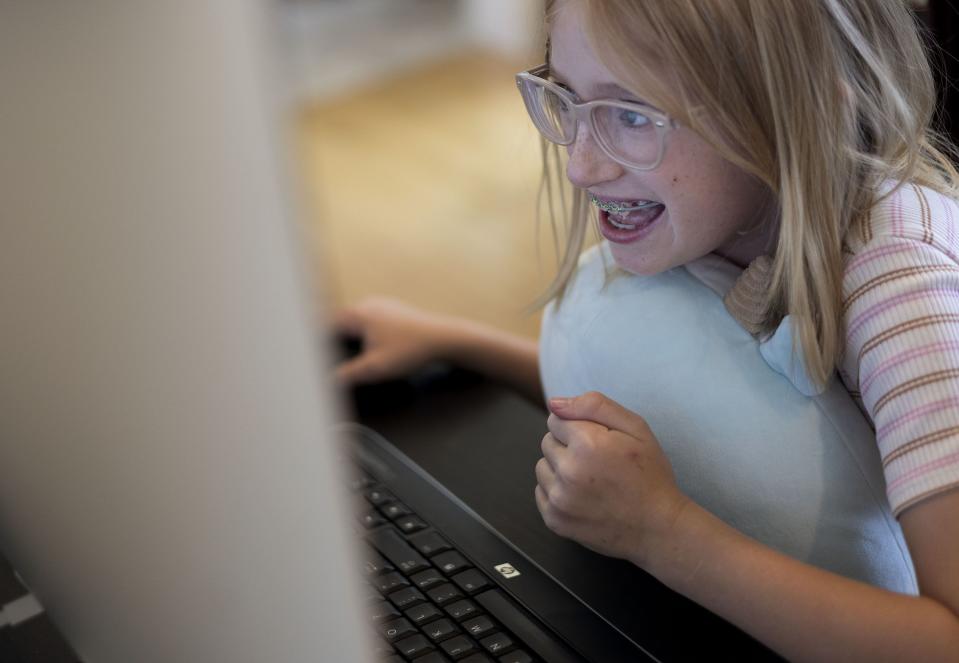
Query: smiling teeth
x: 621, y: 226
x: 621, y: 208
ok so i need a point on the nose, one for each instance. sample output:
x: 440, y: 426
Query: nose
x: 588, y: 164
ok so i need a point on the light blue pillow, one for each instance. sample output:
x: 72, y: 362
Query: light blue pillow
x: 800, y: 473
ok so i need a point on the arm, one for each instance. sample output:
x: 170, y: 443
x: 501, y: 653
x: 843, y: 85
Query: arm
x: 398, y: 339
x: 637, y: 512
x: 805, y: 613
x: 508, y: 358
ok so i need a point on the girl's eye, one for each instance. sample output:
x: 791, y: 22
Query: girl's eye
x: 632, y: 119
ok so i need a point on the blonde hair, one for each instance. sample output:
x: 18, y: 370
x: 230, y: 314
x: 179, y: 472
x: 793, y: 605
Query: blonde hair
x: 821, y: 100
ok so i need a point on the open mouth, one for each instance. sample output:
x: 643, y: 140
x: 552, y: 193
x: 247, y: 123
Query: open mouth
x: 625, y: 216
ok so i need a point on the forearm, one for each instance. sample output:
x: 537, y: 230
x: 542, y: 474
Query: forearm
x: 499, y: 355
x: 802, y: 612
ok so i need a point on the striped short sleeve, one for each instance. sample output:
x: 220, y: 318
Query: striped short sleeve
x: 901, y: 321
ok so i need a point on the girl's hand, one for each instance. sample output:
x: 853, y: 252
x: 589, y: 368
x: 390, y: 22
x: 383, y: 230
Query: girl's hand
x: 604, y: 480
x: 397, y: 339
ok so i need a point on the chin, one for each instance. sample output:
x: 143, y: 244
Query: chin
x: 636, y: 264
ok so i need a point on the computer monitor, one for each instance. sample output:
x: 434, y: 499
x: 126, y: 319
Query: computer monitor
x: 169, y: 489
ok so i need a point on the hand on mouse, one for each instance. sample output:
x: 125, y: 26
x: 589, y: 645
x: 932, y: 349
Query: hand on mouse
x: 396, y: 339
x: 604, y: 480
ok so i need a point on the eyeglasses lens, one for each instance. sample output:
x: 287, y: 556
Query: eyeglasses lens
x: 628, y: 135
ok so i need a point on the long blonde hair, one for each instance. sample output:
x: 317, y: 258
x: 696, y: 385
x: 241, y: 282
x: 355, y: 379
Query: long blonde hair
x: 822, y: 100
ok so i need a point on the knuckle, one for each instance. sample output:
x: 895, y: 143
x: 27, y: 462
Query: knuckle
x: 571, y: 473
x: 643, y: 424
x: 561, y: 500
x: 586, y: 446
x: 592, y: 400
x: 552, y: 519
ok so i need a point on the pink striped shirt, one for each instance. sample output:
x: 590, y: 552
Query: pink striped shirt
x: 901, y: 319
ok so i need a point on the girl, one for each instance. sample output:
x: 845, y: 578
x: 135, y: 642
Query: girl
x: 790, y: 137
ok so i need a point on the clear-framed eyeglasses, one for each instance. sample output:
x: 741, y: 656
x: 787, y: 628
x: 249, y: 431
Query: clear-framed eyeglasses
x: 631, y: 134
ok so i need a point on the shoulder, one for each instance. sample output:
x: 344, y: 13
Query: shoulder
x: 907, y: 250
x: 900, y: 290
x: 909, y: 213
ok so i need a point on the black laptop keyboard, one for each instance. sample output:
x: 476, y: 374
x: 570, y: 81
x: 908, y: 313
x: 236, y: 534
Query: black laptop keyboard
x: 426, y: 601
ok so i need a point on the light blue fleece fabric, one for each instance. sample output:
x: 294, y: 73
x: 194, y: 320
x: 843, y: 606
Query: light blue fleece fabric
x: 797, y: 471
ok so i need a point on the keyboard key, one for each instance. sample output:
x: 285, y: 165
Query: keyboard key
x: 413, y: 646
x: 410, y: 524
x: 440, y: 629
x: 432, y: 657
x: 397, y: 629
x: 472, y: 581
x: 428, y: 578
x: 496, y: 643
x: 382, y: 610
x: 405, y: 598
x: 393, y: 658
x: 372, y: 519
x: 477, y: 658
x: 389, y: 582
x: 395, y: 510
x: 397, y: 551
x: 444, y: 594
x: 361, y: 482
x: 430, y: 543
x: 479, y: 626
x: 451, y: 562
x: 378, y: 495
x: 516, y: 656
x: 514, y: 619
x: 461, y: 610
x: 458, y: 646
x: 422, y: 613
x: 375, y: 563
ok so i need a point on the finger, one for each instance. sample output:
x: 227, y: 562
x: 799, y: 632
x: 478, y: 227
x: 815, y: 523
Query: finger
x: 348, y: 321
x: 569, y: 431
x: 542, y: 502
x: 545, y: 477
x: 577, y: 436
x: 359, y: 370
x: 551, y: 517
x: 600, y: 409
x: 553, y: 451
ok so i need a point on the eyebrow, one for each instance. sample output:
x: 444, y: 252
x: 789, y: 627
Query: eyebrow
x: 613, y: 89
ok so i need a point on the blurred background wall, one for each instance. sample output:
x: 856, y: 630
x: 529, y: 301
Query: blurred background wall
x: 420, y: 165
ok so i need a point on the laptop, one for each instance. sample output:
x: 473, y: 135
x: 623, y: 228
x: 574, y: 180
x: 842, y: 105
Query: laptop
x: 175, y: 484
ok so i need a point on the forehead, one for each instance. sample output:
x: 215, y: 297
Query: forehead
x: 572, y: 59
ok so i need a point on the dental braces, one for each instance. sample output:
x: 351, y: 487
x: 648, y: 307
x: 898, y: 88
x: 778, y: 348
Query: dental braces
x: 618, y: 208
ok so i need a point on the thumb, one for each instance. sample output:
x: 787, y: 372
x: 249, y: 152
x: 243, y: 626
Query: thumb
x: 598, y: 408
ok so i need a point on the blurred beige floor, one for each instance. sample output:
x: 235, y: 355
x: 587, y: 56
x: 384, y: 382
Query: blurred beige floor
x: 424, y: 188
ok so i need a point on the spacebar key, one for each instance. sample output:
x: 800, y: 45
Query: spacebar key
x: 532, y: 634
